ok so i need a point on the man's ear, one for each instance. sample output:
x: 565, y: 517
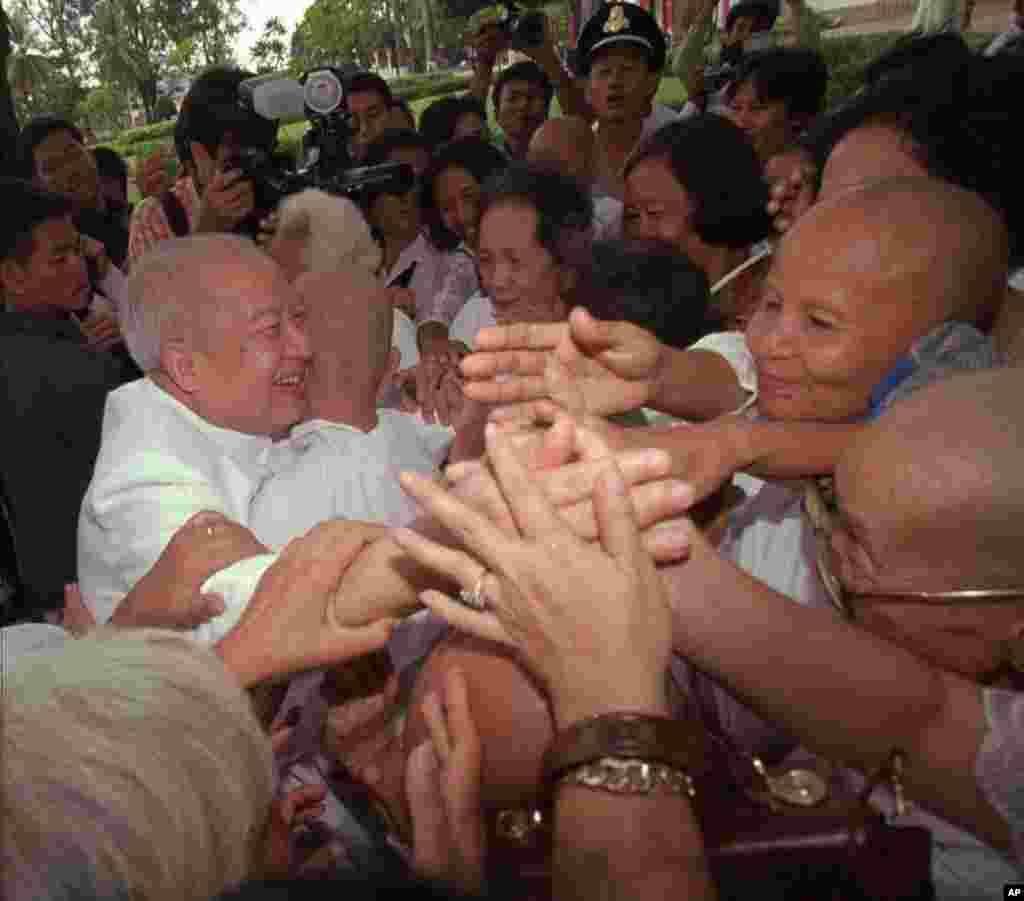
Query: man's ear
x: 181, y: 367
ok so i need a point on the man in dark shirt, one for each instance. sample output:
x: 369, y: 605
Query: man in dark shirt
x: 53, y: 385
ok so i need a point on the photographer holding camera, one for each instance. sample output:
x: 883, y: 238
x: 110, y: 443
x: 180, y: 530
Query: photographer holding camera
x: 214, y: 195
x: 533, y: 34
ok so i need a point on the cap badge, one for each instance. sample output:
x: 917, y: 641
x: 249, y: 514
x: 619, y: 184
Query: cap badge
x: 617, y: 20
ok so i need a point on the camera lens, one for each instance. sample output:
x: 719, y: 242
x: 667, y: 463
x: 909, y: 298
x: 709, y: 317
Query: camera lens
x: 323, y: 92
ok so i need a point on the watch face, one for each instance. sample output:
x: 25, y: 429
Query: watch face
x: 799, y: 787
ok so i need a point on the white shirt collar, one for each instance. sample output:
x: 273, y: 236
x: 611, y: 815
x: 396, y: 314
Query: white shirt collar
x: 240, y: 446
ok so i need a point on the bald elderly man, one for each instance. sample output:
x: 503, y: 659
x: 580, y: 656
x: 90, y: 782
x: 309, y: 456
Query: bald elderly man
x: 567, y: 145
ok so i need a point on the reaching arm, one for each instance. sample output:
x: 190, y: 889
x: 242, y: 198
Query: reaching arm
x: 707, y: 454
x: 738, y: 629
x: 617, y: 367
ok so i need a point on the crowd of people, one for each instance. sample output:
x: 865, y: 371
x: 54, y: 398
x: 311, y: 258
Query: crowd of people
x: 345, y: 533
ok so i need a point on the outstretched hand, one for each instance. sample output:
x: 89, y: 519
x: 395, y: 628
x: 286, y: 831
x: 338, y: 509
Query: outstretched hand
x: 617, y: 366
x: 287, y: 627
x: 442, y: 786
x: 170, y: 594
x: 574, y: 611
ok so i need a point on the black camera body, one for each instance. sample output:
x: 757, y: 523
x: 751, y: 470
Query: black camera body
x: 525, y: 30
x: 319, y: 97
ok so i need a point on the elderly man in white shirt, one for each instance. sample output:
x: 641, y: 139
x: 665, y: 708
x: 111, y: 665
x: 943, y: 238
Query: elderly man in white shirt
x: 219, y: 331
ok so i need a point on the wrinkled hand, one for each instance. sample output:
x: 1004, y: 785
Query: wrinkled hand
x: 169, y: 595
x: 405, y: 382
x: 151, y: 176
x: 287, y: 626
x: 443, y: 789
x: 574, y: 611
x: 617, y: 366
x: 793, y: 180
x: 657, y: 499
x: 437, y: 394
x: 226, y: 201
x: 102, y: 331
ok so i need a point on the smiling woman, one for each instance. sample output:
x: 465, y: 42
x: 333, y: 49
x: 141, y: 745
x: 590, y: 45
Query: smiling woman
x: 535, y: 250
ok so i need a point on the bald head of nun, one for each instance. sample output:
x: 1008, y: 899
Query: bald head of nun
x: 858, y: 280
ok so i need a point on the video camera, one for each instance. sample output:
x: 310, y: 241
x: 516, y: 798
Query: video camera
x: 319, y: 97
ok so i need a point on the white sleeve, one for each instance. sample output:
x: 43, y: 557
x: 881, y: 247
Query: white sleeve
x: 295, y: 499
x: 732, y: 347
x: 236, y: 585
x: 130, y: 515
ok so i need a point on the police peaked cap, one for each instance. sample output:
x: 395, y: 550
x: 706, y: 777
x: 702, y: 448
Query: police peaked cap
x: 617, y: 24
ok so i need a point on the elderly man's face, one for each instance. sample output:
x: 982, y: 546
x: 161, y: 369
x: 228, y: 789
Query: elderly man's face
x: 251, y: 374
x: 878, y: 546
x: 829, y: 326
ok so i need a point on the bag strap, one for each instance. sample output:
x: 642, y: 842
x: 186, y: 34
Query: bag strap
x: 177, y: 218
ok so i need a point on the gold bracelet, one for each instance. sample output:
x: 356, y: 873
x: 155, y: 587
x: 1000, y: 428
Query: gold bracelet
x: 675, y: 743
x: 630, y: 776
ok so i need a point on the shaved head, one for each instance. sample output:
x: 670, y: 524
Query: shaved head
x: 942, y: 247
x: 565, y: 144
x: 858, y: 280
x: 938, y: 480
x: 350, y: 325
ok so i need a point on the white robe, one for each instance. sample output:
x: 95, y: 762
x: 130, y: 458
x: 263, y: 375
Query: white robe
x: 160, y: 463
x: 341, y: 472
